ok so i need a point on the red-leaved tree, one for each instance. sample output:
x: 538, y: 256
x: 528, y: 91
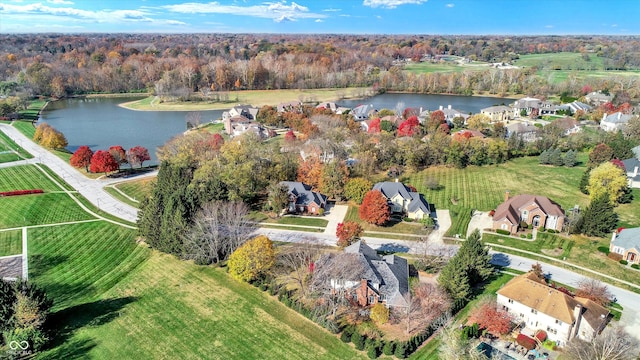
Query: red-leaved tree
x: 290, y: 136
x: 374, y: 126
x: 409, y: 127
x: 374, y: 208
x: 81, y: 158
x: 138, y: 155
x: 487, y: 316
x: 119, y: 155
x: 102, y: 161
x: 348, y: 232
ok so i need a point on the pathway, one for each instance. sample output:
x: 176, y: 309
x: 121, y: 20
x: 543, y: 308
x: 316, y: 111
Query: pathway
x: 334, y: 215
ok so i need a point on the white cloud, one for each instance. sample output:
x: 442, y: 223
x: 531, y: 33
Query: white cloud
x: 390, y: 4
x: 60, y: 2
x: 175, y: 22
x: 332, y: 10
x: 69, y: 12
x: 277, y: 11
x: 319, y: 20
x: 451, y: 5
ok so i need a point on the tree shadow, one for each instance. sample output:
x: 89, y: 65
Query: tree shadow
x: 500, y: 260
x: 72, y: 349
x: 65, y: 322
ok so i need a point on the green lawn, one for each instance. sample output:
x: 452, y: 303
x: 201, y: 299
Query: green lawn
x: 297, y: 220
x: 560, y: 61
x: 32, y: 110
x: 10, y: 242
x: 137, y: 189
x: 393, y: 226
x: 25, y: 127
x: 427, y: 67
x: 10, y: 151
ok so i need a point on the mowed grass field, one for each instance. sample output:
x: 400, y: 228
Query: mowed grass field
x: 10, y: 151
x: 117, y: 299
x: 483, y: 188
x: 254, y: 97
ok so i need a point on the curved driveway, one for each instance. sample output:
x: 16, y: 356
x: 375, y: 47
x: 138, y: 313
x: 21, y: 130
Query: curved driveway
x: 91, y: 189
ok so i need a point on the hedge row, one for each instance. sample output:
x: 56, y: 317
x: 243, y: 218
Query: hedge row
x: 21, y: 192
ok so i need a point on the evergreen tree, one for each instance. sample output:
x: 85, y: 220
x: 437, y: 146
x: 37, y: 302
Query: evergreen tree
x: 570, y: 159
x: 584, y: 181
x: 599, y: 219
x: 556, y: 157
x: 545, y: 157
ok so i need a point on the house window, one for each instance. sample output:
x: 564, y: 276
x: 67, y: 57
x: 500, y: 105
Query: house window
x: 525, y: 214
x: 558, y: 322
x: 534, y: 311
x: 510, y: 301
x: 551, y: 330
x: 504, y: 226
x: 371, y: 299
x: 354, y: 296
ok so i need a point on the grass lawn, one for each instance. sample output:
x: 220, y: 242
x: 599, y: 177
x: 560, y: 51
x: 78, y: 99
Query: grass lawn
x: 297, y: 220
x: 430, y: 350
x: 427, y: 67
x: 8, y: 146
x: 25, y: 127
x: 10, y: 242
x: 254, y: 97
x: 33, y: 109
x: 400, y: 227
x: 483, y: 188
x: 137, y: 189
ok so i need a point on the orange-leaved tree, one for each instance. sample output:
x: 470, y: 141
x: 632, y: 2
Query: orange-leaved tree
x: 374, y: 208
x: 348, y: 232
x: 494, y: 320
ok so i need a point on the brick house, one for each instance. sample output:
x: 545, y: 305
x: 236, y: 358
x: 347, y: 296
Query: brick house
x: 537, y: 211
x: 302, y: 199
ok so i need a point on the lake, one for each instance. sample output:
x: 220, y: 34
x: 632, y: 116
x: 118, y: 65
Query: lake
x: 100, y: 123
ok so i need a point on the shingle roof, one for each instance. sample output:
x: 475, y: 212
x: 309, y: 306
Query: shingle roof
x: 617, y: 118
x: 418, y: 202
x: 390, y: 189
x: 510, y: 209
x: 630, y: 165
x: 628, y: 239
x: 495, y: 109
x: 526, y: 290
x: 303, y: 193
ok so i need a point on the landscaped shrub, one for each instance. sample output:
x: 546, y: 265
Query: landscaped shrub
x: 615, y: 256
x: 503, y: 232
x: 401, y: 350
x: 529, y: 236
x: 358, y: 340
x: 604, y: 249
x: 623, y: 262
x: 372, y: 352
x: 345, y: 336
x: 21, y: 192
x: 551, y: 231
x: 388, y: 348
x: 635, y: 266
x: 523, y: 236
x: 548, y: 344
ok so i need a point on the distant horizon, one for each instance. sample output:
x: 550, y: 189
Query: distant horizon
x: 330, y: 17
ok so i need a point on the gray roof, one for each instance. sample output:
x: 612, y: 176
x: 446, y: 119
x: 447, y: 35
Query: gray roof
x: 389, y: 189
x: 495, y: 109
x: 521, y: 128
x: 527, y: 103
x: 628, y: 239
x: 630, y: 165
x: 577, y: 105
x: 636, y: 151
x: 362, y: 111
x: 390, y: 272
x: 618, y: 118
x: 303, y: 193
x: 418, y: 202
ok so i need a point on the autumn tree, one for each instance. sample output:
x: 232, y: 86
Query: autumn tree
x: 607, y: 179
x: 601, y: 153
x: 49, y: 137
x: 334, y: 177
x: 356, y: 189
x: 614, y: 343
x: 278, y: 198
x: 103, y: 161
x: 81, y: 157
x: 594, y: 290
x: 379, y: 314
x: 436, y: 118
x: 478, y: 121
x: 348, y: 232
x: 296, y: 262
x: 374, y: 126
x: 409, y: 127
x: 310, y: 172
x: 290, y: 136
x: 138, y: 155
x: 119, y: 155
x: 252, y: 260
x: 374, y: 208
x: 425, y: 302
x: 494, y: 320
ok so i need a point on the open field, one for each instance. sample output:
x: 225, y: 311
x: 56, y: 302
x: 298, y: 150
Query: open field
x: 10, y: 242
x: 561, y: 61
x: 10, y: 151
x: 253, y: 97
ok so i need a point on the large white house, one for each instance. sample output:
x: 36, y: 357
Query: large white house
x: 632, y: 167
x: 541, y: 307
x: 614, y: 122
x: 403, y: 200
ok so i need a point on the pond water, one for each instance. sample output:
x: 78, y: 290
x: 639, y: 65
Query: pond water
x: 101, y: 123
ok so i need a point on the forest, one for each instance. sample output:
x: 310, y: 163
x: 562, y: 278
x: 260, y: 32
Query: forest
x: 184, y: 66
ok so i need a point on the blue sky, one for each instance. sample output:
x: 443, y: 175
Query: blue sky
x: 502, y: 17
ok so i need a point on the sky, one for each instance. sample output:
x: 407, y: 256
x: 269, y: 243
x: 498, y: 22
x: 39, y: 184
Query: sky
x: 436, y: 17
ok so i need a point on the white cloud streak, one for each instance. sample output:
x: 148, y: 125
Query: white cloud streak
x: 60, y: 2
x: 390, y: 4
x: 277, y: 11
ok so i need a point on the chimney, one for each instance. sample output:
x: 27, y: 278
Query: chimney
x: 506, y: 195
x: 577, y: 315
x: 396, y: 179
x: 604, y: 116
x: 619, y: 115
x: 440, y: 107
x: 635, y: 171
x: 449, y: 107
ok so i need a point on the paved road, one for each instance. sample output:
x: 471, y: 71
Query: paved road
x: 91, y: 189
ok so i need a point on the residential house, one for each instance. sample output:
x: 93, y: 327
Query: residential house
x: 450, y: 113
x: 614, y: 122
x: 636, y: 151
x: 626, y: 242
x: 373, y: 279
x: 292, y: 106
x: 568, y: 125
x: 537, y: 211
x: 394, y: 119
x: 328, y: 105
x: 525, y: 131
x: 527, y: 104
x: 597, y: 98
x: 239, y: 124
x: 302, y: 199
x: 548, y: 108
x: 577, y: 106
x: 498, y: 113
x: 541, y: 307
x: 248, y: 111
x: 403, y: 200
x: 363, y: 112
x: 467, y: 134
x: 632, y: 167
x: 323, y: 149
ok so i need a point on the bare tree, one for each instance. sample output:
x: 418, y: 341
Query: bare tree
x: 432, y: 255
x: 331, y: 276
x: 425, y: 302
x: 218, y: 229
x: 613, y: 344
x: 295, y: 261
x: 194, y: 119
x: 453, y: 346
x: 594, y: 290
